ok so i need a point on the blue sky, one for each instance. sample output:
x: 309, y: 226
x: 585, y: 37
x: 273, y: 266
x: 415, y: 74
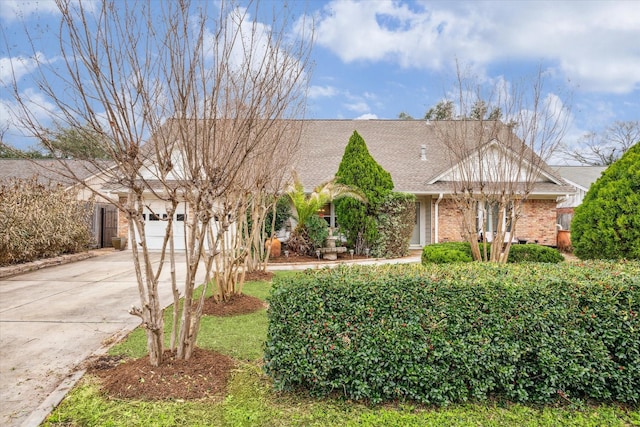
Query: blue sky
x: 375, y: 58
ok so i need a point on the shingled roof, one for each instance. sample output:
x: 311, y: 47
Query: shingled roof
x: 582, y: 176
x: 46, y: 171
x: 397, y: 146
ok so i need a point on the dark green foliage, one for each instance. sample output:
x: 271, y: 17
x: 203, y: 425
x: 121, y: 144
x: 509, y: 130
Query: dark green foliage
x: 460, y: 332
x: 534, y: 253
x: 440, y: 253
x: 607, y: 223
x: 305, y: 239
x: 283, y: 213
x: 317, y: 230
x: 357, y: 219
x: 396, y: 220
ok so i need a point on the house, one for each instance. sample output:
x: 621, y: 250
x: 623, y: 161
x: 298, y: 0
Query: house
x: 413, y: 152
x: 104, y: 223
x: 580, y: 178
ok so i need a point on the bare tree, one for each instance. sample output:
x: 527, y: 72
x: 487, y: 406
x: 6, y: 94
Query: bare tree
x: 183, y: 101
x: 495, y: 166
x: 604, y: 148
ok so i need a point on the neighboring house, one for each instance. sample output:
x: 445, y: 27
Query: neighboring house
x: 104, y: 224
x: 418, y: 161
x: 580, y: 178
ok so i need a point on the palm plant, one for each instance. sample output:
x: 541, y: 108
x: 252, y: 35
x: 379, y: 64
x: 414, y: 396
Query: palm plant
x: 307, y: 205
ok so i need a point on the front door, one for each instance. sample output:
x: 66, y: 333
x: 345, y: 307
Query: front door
x: 415, y: 237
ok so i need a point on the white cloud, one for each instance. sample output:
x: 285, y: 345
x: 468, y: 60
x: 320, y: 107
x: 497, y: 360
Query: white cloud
x: 594, y: 43
x: 358, y: 107
x: 13, y: 10
x: 19, y: 66
x: 367, y: 116
x: 40, y: 109
x: 322, y: 92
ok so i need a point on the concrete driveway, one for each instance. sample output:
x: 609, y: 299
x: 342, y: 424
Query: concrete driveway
x: 51, y: 320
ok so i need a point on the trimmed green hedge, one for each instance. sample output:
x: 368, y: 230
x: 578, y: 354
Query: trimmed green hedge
x: 443, y: 253
x: 459, y: 332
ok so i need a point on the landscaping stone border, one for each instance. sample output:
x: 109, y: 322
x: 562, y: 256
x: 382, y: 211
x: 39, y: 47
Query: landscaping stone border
x: 13, y: 270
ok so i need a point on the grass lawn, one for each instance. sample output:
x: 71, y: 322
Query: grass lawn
x: 251, y: 401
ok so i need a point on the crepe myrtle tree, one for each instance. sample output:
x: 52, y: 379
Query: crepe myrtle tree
x: 183, y: 99
x: 495, y: 164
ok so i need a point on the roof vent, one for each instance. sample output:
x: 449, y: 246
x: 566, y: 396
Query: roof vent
x: 423, y: 152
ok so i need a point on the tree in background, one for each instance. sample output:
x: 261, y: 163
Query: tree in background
x: 604, y: 148
x: 75, y: 143
x: 495, y: 166
x: 607, y: 223
x: 443, y: 110
x: 358, y: 169
x: 404, y: 116
x: 9, y: 152
x: 307, y: 235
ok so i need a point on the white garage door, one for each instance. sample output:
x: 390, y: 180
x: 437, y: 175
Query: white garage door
x: 155, y: 224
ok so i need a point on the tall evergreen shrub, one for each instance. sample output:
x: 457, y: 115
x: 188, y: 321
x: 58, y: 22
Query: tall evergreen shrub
x: 607, y: 223
x: 357, y: 219
x: 396, y: 221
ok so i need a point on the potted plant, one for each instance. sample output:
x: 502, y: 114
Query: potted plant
x: 119, y: 243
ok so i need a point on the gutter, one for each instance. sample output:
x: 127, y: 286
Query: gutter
x: 437, y: 226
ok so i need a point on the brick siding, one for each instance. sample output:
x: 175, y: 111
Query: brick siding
x: 123, y: 224
x: 537, y: 222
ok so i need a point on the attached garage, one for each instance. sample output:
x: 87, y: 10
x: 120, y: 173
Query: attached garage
x: 155, y: 225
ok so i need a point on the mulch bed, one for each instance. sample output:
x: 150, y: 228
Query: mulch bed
x: 239, y: 304
x: 204, y: 375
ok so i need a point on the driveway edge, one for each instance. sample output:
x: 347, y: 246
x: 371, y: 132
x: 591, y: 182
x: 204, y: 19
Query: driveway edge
x: 52, y: 401
x: 14, y: 270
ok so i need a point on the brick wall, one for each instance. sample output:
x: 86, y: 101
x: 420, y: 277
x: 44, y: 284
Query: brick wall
x: 537, y: 222
x: 123, y: 224
x: 449, y: 222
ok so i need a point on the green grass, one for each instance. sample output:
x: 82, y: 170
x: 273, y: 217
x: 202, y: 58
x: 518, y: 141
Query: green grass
x: 251, y: 401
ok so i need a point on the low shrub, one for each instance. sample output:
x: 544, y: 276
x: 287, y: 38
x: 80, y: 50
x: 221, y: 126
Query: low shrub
x: 442, y: 253
x: 534, y: 253
x: 527, y: 333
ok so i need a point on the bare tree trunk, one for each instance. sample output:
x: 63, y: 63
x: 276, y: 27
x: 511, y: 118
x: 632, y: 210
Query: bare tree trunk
x: 191, y: 112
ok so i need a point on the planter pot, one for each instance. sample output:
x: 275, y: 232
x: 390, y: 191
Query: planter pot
x: 275, y: 247
x: 564, y: 240
x: 119, y: 243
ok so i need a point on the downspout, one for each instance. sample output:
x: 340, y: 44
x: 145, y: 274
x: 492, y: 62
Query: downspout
x: 436, y: 215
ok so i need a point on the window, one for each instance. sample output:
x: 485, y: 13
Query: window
x: 488, y: 219
x: 181, y: 217
x: 154, y: 217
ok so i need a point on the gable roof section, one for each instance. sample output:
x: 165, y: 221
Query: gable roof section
x: 397, y: 146
x: 580, y: 176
